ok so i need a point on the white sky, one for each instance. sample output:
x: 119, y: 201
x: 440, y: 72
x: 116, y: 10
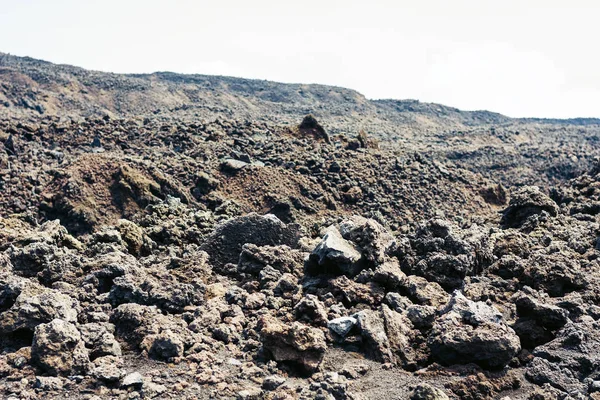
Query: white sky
x: 520, y: 58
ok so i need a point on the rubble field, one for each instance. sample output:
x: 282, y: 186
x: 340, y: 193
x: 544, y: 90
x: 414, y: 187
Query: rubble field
x: 228, y: 257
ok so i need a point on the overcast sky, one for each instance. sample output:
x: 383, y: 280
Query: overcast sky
x: 520, y: 58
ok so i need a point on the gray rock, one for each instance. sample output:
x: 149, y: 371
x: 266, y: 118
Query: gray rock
x: 424, y: 292
x: 547, y: 315
x: 134, y: 322
x: 250, y: 393
x: 342, y: 326
x: 472, y: 332
x: 225, y: 243
x: 373, y: 240
x: 334, y: 254
x: 372, y: 329
x: 231, y: 165
x: 253, y: 259
x: 445, y: 254
x: 564, y: 363
x: 36, y: 306
x: 48, y: 383
x: 390, y: 275
x: 527, y: 201
x: 421, y: 316
x: 163, y: 346
x: 151, y: 390
x: 428, y: 392
x: 397, y: 302
x: 273, y: 382
x: 134, y: 379
x: 99, y: 338
x: 471, y: 312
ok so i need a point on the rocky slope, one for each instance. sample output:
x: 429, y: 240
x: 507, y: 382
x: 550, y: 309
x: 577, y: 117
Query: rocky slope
x: 214, y: 243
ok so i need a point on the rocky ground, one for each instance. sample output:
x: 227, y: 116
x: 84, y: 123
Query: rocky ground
x: 173, y: 256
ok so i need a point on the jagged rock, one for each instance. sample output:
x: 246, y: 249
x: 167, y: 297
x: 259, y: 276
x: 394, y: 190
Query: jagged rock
x: 99, y: 338
x: 556, y: 273
x: 342, y: 326
x: 134, y: 379
x: 167, y: 294
x: 225, y: 243
x: 537, y: 320
x: 310, y: 125
x: 36, y: 306
x: 428, y: 392
x: 398, y: 329
x: 134, y: 322
x: 296, y: 343
x: 387, y: 335
x: 151, y: 390
x: 424, y: 292
x: 133, y: 235
x: 390, y: 275
x: 334, y: 255
x: 397, y: 302
x: 10, y: 146
x: 445, y: 254
x: 566, y: 362
x: 286, y: 286
x: 495, y: 194
x: 42, y: 259
x: 373, y: 240
x: 96, y: 142
x: 233, y: 166
x: 107, y: 368
x: 372, y: 329
x: 421, y: 316
x: 253, y: 259
x: 310, y: 309
x: 351, y: 293
x: 273, y: 382
x: 48, y: 383
x: 468, y: 331
x: 163, y: 346
x: 526, y: 202
x: 205, y: 183
x: 58, y: 349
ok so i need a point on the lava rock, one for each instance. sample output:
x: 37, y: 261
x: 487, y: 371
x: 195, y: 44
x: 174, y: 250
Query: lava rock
x: 427, y: 392
x: 526, y: 202
x: 468, y: 331
x: 225, y: 243
x: 58, y: 349
x: 334, y: 255
x: 35, y: 306
x: 296, y: 343
x: 342, y: 326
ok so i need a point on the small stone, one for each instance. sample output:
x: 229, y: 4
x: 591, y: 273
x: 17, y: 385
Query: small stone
x: 231, y: 165
x: 163, y: 346
x: 272, y: 382
x: 47, y: 383
x: 135, y: 379
x: 427, y: 392
x: 341, y: 326
x: 107, y: 369
x: 334, y: 255
x: 151, y: 390
x: 250, y: 393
